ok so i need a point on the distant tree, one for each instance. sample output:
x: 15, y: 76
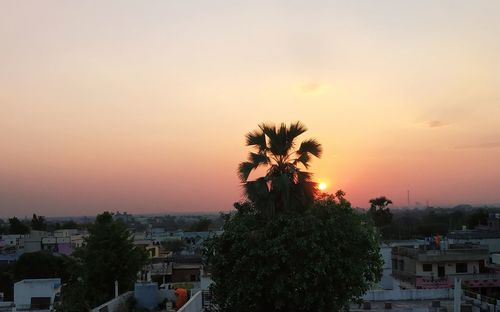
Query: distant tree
x: 285, y: 186
x: 38, y: 223
x: 17, y: 227
x: 201, y: 225
x: 70, y: 224
x: 44, y: 265
x: 108, y: 255
x: 4, y: 229
x: 379, y: 211
x: 7, y: 281
x: 479, y: 217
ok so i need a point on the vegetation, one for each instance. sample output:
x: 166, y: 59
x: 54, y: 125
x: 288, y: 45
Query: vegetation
x: 38, y: 223
x: 44, y: 264
x: 300, y: 252
x: 285, y: 186
x: 108, y: 255
x: 201, y: 225
x: 419, y: 223
x: 17, y: 227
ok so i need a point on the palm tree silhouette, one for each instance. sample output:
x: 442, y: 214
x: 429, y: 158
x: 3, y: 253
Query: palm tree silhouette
x: 285, y: 186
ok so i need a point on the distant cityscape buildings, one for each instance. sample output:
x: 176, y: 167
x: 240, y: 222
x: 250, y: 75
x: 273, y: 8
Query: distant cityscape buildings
x: 417, y: 274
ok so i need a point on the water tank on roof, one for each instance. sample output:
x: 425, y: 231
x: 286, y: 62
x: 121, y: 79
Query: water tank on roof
x: 147, y: 295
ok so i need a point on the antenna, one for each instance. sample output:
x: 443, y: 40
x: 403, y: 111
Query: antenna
x: 408, y: 199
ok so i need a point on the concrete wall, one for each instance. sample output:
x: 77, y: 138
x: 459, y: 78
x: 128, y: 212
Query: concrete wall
x: 387, y: 281
x: 492, y: 243
x: 408, y: 294
x: 32, y: 244
x: 449, y: 268
x: 116, y: 304
x: 195, y: 304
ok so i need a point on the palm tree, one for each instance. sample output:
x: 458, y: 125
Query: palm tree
x: 379, y: 211
x: 285, y: 186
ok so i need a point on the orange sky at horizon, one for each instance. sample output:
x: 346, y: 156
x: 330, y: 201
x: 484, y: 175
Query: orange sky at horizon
x: 143, y: 107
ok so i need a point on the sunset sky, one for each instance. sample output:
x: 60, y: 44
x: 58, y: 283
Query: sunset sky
x: 142, y: 106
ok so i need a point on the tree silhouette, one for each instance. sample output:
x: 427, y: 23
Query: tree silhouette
x: 38, y: 223
x: 284, y: 186
x: 17, y: 227
x: 379, y: 211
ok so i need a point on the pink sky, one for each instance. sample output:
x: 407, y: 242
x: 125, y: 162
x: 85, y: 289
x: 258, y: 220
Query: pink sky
x: 143, y: 106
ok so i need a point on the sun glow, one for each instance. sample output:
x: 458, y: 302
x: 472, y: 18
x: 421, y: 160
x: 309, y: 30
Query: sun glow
x: 322, y: 186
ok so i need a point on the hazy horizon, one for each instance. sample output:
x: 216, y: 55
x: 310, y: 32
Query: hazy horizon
x: 143, y: 106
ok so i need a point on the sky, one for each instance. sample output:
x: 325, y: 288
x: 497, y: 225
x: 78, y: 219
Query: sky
x: 142, y: 106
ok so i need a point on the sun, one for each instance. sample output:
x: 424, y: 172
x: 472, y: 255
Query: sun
x: 322, y: 186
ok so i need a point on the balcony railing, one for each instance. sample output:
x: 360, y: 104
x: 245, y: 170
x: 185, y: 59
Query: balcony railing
x: 469, y: 280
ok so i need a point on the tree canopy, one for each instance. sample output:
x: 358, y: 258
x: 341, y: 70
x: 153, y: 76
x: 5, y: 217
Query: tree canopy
x: 108, y: 255
x: 38, y: 223
x: 319, y: 260
x: 284, y: 186
x: 17, y: 227
x: 44, y: 264
x: 379, y: 211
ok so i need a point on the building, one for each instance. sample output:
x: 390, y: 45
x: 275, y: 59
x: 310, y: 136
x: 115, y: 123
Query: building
x: 36, y: 294
x: 423, y: 267
x: 11, y: 240
x: 66, y: 232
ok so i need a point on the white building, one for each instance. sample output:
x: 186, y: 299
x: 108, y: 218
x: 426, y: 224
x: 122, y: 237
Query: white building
x: 66, y: 232
x: 36, y: 294
x: 11, y: 240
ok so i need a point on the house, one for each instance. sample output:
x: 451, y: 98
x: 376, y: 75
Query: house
x: 423, y: 267
x: 36, y: 294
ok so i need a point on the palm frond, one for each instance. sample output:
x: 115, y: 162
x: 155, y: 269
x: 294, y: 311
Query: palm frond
x: 295, y: 130
x: 269, y: 130
x: 258, y: 159
x: 310, y: 146
x: 244, y: 170
x: 256, y: 138
x: 303, y: 159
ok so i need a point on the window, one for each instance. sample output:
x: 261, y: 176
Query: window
x: 461, y: 267
x: 394, y: 264
x: 427, y: 267
x: 401, y: 265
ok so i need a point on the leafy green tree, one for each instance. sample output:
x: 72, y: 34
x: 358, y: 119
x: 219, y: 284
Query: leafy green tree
x: 7, y: 281
x: 108, y: 255
x: 379, y: 211
x: 71, y: 298
x: 38, y: 223
x: 319, y: 260
x: 285, y: 186
x: 17, y: 227
x: 44, y: 264
x: 302, y: 253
